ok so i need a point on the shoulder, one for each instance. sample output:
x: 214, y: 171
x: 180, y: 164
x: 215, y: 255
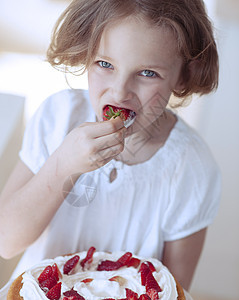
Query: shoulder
x: 185, y: 144
x: 54, y: 119
x: 66, y: 103
x: 195, y: 184
x: 64, y: 110
x: 196, y: 171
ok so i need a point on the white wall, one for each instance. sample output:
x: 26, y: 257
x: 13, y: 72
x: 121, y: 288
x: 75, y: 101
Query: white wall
x: 26, y: 25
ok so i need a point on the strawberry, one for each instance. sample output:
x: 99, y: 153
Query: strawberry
x: 55, y: 292
x: 133, y: 262
x: 70, y: 264
x: 112, y: 112
x: 130, y: 295
x: 144, y: 270
x: 124, y: 259
x: 73, y: 295
x: 48, y: 284
x: 125, y: 114
x: 87, y: 280
x: 46, y: 274
x: 151, y: 266
x: 108, y: 265
x: 151, y: 283
x: 118, y: 279
x: 153, y: 294
x: 56, y: 272
x: 89, y: 257
x: 144, y: 297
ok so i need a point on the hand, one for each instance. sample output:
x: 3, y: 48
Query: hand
x: 91, y: 145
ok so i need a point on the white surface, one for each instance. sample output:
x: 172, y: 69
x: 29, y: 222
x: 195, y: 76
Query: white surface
x: 26, y: 25
x: 11, y: 111
x: 30, y: 76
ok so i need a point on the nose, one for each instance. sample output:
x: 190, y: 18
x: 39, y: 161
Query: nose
x: 122, y: 89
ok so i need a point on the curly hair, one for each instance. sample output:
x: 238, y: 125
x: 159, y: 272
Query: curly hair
x: 77, y: 34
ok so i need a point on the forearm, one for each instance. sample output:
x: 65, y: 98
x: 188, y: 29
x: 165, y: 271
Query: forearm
x: 29, y: 201
x: 181, y: 257
x: 26, y: 212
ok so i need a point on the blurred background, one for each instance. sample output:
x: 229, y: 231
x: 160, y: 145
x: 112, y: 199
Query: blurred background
x: 26, y: 80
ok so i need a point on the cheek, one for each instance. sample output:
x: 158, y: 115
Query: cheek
x: 156, y: 102
x: 94, y: 92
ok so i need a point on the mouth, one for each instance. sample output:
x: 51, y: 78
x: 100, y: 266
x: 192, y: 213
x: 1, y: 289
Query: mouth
x: 127, y: 115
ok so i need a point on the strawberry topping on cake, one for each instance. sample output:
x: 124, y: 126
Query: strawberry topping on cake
x: 100, y: 275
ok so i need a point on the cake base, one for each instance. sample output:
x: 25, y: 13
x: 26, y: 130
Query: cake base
x: 181, y: 295
x: 14, y: 290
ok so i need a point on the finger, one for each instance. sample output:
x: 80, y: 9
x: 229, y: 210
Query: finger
x: 106, y: 127
x: 110, y: 153
x: 110, y: 140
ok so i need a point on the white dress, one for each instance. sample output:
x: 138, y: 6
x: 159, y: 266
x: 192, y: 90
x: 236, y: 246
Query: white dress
x: 172, y: 195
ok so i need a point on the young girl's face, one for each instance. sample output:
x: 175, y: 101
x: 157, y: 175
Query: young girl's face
x: 136, y: 67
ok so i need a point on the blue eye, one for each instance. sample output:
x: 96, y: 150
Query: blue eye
x: 105, y: 64
x: 148, y: 73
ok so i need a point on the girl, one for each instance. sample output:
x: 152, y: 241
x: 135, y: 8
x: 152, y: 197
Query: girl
x: 151, y: 188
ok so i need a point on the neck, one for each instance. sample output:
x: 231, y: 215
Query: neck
x: 142, y: 145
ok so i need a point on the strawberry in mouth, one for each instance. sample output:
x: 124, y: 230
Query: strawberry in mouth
x: 127, y: 115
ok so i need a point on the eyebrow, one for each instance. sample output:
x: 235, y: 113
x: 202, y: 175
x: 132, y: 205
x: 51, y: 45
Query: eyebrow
x: 142, y: 67
x: 147, y: 67
x: 103, y: 57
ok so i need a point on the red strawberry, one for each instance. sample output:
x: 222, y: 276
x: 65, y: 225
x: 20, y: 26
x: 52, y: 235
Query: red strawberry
x: 151, y: 266
x: 108, y: 265
x: 48, y: 284
x: 119, y: 279
x: 56, y: 272
x: 73, y: 295
x: 113, y: 112
x: 130, y: 295
x: 133, y: 262
x: 46, y: 274
x: 124, y: 259
x: 144, y: 297
x: 144, y: 270
x: 89, y: 257
x: 70, y: 264
x: 153, y: 294
x: 151, y: 283
x: 87, y: 280
x: 55, y: 292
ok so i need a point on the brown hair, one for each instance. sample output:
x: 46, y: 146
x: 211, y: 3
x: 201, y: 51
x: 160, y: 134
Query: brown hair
x: 77, y: 34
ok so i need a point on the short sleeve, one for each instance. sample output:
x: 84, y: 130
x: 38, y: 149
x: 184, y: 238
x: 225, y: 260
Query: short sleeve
x: 194, y: 195
x: 53, y: 120
x: 34, y: 150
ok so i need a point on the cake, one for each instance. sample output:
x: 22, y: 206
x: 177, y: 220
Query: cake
x: 96, y: 275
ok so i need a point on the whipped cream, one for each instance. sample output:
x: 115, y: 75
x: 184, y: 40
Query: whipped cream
x: 100, y: 287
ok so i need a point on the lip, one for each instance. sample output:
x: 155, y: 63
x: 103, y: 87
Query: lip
x: 118, y: 107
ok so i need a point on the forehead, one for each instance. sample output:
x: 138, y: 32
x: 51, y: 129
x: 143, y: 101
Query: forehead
x: 138, y: 39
